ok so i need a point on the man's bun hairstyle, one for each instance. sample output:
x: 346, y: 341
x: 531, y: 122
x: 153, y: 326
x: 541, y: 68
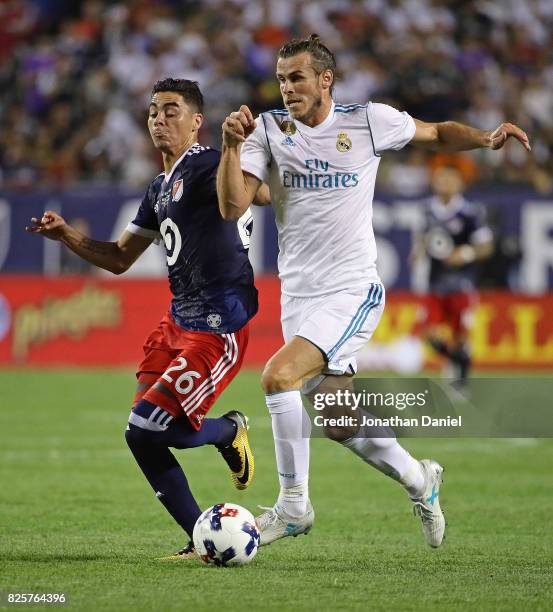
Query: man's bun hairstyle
x: 321, y: 57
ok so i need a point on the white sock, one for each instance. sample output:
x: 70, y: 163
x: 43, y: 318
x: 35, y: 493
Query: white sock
x: 388, y: 457
x: 291, y: 432
x: 413, y: 479
x: 294, y: 499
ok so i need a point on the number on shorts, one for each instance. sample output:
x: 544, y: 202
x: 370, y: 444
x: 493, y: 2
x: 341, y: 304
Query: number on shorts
x: 186, y: 377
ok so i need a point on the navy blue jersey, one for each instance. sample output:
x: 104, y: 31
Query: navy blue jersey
x: 210, y: 274
x: 448, y: 227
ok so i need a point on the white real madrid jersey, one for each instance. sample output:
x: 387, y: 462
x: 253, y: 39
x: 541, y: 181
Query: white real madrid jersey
x: 322, y: 183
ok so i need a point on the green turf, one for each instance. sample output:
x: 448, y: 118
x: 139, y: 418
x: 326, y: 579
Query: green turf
x: 77, y: 516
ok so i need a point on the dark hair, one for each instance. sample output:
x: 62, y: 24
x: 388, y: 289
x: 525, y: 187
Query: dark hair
x: 189, y: 90
x: 322, y: 58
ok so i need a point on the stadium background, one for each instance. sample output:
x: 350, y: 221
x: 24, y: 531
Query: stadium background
x: 74, y: 81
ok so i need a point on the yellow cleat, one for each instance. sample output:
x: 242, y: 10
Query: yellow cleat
x: 238, y: 454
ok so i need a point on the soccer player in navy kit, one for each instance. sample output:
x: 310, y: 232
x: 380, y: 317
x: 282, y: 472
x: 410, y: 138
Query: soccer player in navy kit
x: 199, y: 345
x: 454, y: 237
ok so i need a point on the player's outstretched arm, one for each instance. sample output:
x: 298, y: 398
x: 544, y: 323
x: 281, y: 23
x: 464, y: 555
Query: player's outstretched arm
x: 453, y: 136
x: 116, y: 257
x: 235, y: 189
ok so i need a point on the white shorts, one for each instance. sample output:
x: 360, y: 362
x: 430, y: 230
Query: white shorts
x: 338, y: 325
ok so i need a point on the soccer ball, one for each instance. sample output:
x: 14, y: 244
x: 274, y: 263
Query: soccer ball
x: 226, y: 534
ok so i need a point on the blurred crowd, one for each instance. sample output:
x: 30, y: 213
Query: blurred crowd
x: 76, y: 77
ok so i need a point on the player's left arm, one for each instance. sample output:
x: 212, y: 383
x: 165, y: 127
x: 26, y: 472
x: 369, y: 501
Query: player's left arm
x: 453, y: 136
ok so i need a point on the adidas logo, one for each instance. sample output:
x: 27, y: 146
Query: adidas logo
x: 288, y: 142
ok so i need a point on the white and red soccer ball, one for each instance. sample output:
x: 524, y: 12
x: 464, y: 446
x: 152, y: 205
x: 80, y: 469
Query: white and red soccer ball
x: 226, y: 534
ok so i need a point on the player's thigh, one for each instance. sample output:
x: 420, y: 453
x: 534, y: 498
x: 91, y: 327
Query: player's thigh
x: 200, y: 372
x: 434, y: 316
x: 461, y: 308
x: 297, y: 360
x: 158, y: 354
x: 324, y: 333
x: 344, y: 325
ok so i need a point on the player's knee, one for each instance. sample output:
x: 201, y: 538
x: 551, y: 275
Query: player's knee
x: 339, y: 433
x: 277, y: 378
x: 136, y: 437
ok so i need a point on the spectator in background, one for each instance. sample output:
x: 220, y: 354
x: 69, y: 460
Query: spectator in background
x: 473, y: 61
x: 454, y: 238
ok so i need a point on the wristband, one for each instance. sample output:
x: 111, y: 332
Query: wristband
x: 467, y: 252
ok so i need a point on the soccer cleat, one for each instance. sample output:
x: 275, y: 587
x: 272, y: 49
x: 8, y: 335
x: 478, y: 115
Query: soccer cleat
x: 238, y: 454
x: 188, y: 553
x: 277, y: 523
x: 428, y: 505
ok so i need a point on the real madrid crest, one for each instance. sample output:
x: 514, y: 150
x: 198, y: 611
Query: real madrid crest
x: 288, y: 128
x: 343, y: 143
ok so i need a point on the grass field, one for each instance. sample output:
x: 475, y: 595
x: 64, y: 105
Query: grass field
x: 77, y: 516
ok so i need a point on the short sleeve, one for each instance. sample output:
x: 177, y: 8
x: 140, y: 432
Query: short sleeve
x: 145, y: 222
x: 390, y: 129
x: 255, y: 156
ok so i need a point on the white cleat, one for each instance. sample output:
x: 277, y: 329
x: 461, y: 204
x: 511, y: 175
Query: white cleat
x: 275, y: 523
x: 428, y: 505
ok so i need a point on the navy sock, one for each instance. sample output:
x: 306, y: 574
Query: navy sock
x: 439, y: 346
x: 180, y: 434
x: 461, y: 357
x: 165, y: 476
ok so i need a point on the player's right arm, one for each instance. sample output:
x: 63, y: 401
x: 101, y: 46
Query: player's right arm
x: 236, y: 189
x: 116, y: 257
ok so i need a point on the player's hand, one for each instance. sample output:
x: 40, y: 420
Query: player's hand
x: 238, y: 126
x: 499, y: 136
x: 460, y: 256
x: 51, y: 225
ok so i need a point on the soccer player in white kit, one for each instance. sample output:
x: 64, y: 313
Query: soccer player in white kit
x: 320, y: 160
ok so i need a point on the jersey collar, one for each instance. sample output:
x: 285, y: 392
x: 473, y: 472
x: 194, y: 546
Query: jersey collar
x: 318, y: 128
x: 168, y: 176
x: 445, y: 212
